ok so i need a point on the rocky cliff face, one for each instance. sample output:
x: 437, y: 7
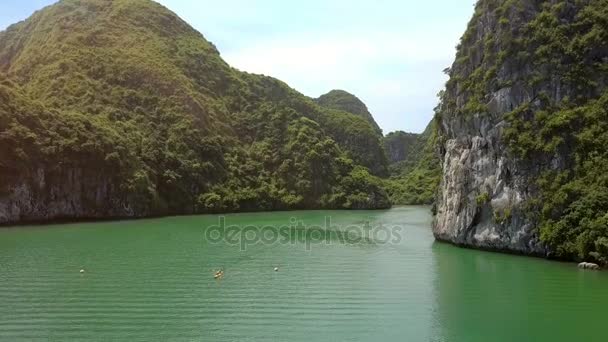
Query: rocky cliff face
x: 37, y: 195
x: 482, y: 189
x: 399, y: 145
x: 519, y: 63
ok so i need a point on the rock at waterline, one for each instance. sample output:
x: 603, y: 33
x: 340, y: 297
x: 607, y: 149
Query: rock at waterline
x: 588, y: 266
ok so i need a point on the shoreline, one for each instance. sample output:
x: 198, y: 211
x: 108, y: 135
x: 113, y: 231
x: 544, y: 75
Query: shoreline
x: 510, y: 252
x: 75, y: 220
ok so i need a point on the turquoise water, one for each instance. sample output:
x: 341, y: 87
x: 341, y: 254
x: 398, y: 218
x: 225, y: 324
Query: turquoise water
x: 152, y: 280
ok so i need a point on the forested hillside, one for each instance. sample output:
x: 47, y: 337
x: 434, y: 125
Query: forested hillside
x: 353, y: 124
x: 120, y: 109
x: 345, y: 101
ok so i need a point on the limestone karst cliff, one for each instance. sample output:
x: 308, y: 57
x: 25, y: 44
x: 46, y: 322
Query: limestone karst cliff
x: 523, y: 131
x: 400, y: 146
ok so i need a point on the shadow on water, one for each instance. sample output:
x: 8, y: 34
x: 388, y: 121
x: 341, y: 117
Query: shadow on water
x: 515, y: 298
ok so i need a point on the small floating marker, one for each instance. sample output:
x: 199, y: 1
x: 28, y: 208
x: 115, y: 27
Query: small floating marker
x: 82, y: 271
x: 276, y: 269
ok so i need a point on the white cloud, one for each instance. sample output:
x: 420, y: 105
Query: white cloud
x: 390, y: 53
x: 343, y: 55
x: 391, y: 72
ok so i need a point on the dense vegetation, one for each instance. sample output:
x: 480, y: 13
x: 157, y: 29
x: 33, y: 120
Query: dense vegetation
x: 128, y: 92
x: 350, y: 122
x: 413, y: 165
x: 415, y: 178
x: 554, y: 54
x: 345, y: 101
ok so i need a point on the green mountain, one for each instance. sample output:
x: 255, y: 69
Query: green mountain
x: 361, y: 134
x: 524, y: 131
x: 345, y: 101
x: 415, y: 166
x: 121, y: 109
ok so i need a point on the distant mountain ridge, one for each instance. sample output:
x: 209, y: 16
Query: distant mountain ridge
x: 414, y: 166
x: 345, y: 101
x: 399, y: 145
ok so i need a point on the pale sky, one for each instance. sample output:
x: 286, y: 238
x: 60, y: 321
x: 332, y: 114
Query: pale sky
x: 390, y: 53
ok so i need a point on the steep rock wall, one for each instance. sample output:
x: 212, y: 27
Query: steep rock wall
x: 519, y: 62
x: 36, y: 195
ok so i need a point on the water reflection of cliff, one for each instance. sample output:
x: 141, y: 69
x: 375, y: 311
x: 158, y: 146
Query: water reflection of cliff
x: 485, y: 296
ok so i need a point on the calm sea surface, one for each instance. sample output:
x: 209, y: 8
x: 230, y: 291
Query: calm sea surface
x: 152, y: 280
